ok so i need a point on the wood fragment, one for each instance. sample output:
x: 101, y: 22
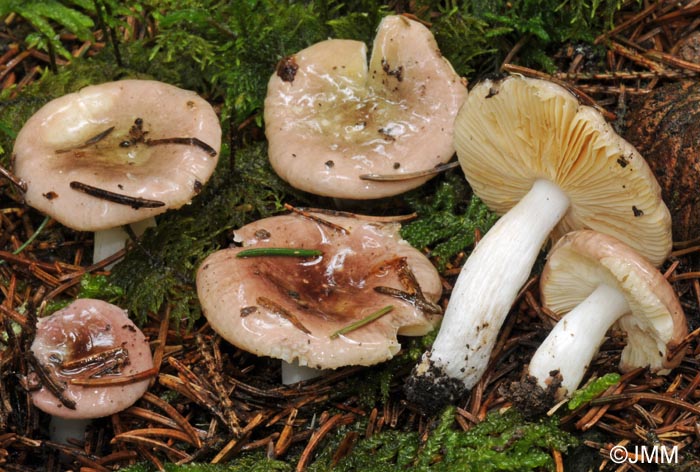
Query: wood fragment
x: 119, y: 198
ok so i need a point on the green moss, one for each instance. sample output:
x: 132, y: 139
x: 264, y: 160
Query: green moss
x: 163, y: 265
x: 592, y: 390
x: 246, y: 463
x: 503, y: 442
x: 91, y: 286
x: 446, y: 219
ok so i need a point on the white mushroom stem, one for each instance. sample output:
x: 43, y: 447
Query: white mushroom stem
x: 63, y: 429
x: 293, y: 373
x: 110, y: 241
x: 572, y: 343
x: 489, y: 283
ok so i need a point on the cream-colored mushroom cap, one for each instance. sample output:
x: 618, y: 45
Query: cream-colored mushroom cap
x: 517, y: 130
x: 330, y: 119
x: 655, y: 324
x: 289, y: 307
x: 90, y: 339
x: 116, y: 153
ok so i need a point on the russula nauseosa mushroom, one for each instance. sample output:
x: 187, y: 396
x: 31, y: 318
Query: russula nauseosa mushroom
x: 664, y: 126
x: 332, y: 122
x: 89, y: 361
x: 304, y: 308
x: 592, y: 281
x: 116, y: 153
x: 548, y: 164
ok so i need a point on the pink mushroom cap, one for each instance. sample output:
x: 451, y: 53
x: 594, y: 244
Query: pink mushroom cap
x: 82, y: 331
x: 89, y: 137
x: 332, y: 117
x: 289, y: 307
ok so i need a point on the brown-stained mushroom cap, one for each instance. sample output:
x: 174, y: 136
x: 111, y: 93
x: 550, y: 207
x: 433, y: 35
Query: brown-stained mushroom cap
x: 288, y: 307
x: 655, y: 323
x: 330, y: 119
x: 89, y: 339
x: 116, y: 153
x: 515, y: 131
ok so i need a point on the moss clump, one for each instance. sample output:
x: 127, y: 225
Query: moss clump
x: 447, y: 219
x: 503, y: 442
x: 593, y: 390
x: 247, y: 463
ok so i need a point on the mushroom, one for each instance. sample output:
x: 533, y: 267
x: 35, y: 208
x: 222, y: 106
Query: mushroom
x: 338, y: 128
x: 89, y: 361
x: 594, y: 281
x: 115, y: 154
x: 548, y: 164
x: 302, y: 282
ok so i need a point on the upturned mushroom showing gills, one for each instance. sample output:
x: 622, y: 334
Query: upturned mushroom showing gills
x: 339, y: 128
x: 594, y: 281
x: 89, y: 361
x: 319, y: 290
x: 117, y: 153
x: 549, y: 165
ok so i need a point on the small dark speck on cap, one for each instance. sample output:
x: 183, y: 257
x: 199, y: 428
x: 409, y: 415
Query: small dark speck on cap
x: 637, y: 211
x: 50, y: 195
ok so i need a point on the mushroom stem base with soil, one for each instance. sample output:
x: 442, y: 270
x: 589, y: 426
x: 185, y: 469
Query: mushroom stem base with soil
x: 482, y: 296
x: 110, y: 241
x: 572, y: 343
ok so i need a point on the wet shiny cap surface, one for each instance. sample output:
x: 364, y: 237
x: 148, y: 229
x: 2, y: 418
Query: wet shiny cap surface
x: 89, y: 339
x: 116, y: 153
x: 332, y: 117
x: 289, y: 307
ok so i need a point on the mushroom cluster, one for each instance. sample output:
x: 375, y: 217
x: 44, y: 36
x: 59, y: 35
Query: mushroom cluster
x: 319, y: 290
x: 340, y: 128
x: 549, y: 165
x: 328, y: 289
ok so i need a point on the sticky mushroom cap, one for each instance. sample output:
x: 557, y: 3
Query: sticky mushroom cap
x: 330, y: 119
x: 85, y: 328
x: 63, y: 142
x: 516, y: 130
x: 248, y: 301
x: 582, y: 260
